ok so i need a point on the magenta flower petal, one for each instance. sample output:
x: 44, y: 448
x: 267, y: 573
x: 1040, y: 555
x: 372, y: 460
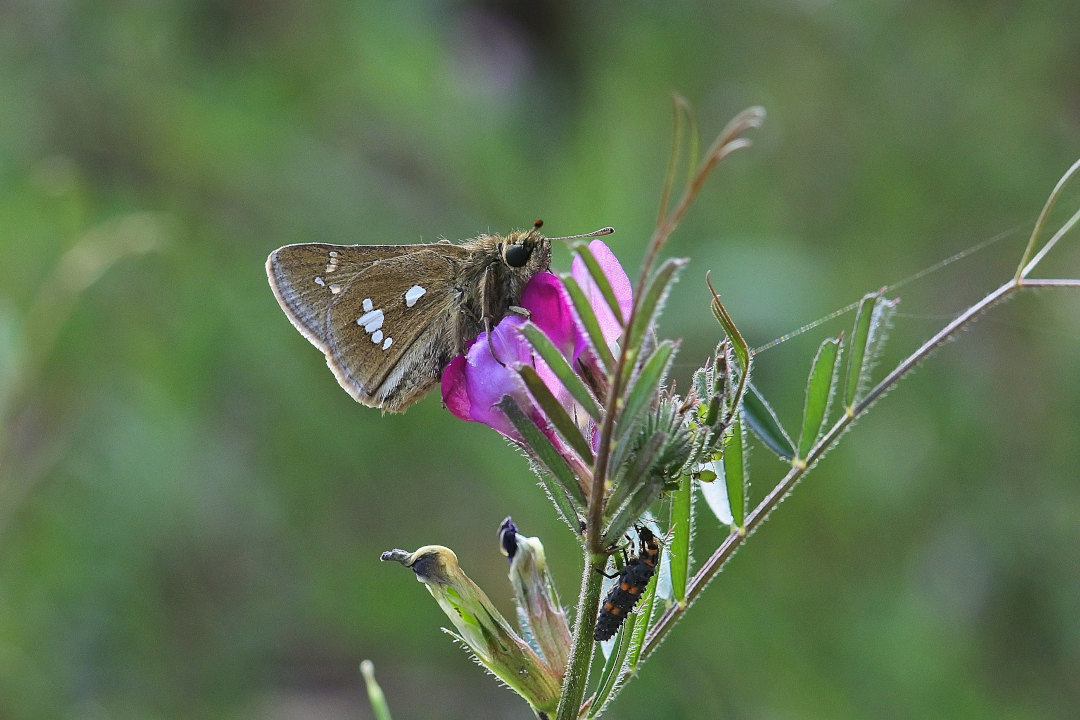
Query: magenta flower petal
x: 454, y: 393
x: 475, y: 383
x: 487, y: 380
x: 550, y: 310
x: 619, y: 282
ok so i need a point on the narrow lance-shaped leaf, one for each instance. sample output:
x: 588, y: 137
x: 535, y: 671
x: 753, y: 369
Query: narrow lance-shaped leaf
x: 588, y: 320
x: 735, y: 473
x: 645, y: 612
x: 662, y: 577
x: 630, y: 473
x: 857, y: 348
x: 679, y: 544
x: 615, y: 652
x: 881, y: 321
x: 643, y: 390
x: 566, y: 483
x: 819, y: 390
x: 625, y: 515
x: 682, y: 109
x: 555, y: 413
x: 693, y: 145
x: 761, y: 419
x: 644, y: 617
x: 602, y: 283
x: 652, y: 299
x: 738, y: 343
x: 559, y: 365
x: 738, y: 346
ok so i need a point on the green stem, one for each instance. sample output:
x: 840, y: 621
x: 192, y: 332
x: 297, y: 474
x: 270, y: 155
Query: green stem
x: 726, y: 143
x: 581, y: 651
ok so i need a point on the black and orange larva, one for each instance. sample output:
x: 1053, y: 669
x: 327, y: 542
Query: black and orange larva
x: 631, y: 584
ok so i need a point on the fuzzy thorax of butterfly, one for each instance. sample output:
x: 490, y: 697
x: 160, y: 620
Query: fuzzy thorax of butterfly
x: 389, y: 318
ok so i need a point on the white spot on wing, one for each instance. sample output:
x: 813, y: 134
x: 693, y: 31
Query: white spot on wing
x: 335, y: 288
x: 376, y: 337
x: 320, y: 282
x: 387, y: 342
x: 371, y: 320
x: 367, y: 305
x: 413, y: 294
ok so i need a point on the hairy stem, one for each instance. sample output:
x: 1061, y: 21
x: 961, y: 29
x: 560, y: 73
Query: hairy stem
x: 581, y: 651
x: 726, y: 143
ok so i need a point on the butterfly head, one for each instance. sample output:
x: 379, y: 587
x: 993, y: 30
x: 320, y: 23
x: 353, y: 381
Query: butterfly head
x: 526, y: 253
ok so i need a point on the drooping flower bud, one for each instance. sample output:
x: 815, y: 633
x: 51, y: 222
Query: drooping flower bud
x: 481, y: 627
x: 541, y: 616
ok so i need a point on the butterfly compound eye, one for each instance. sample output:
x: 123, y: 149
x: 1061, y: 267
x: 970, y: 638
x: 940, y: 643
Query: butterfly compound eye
x: 517, y: 255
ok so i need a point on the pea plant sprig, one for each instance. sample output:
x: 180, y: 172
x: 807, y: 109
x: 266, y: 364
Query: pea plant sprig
x: 579, y: 383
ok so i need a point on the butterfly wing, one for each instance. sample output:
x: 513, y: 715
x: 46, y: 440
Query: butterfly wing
x: 385, y: 316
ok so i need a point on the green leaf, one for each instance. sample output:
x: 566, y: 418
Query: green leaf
x: 566, y: 494
x: 623, y: 663
x: 682, y: 110
x: 555, y: 413
x: 679, y: 544
x: 643, y: 620
x: 868, y: 336
x: 880, y: 322
x: 673, y: 158
x: 738, y: 343
x: 588, y: 320
x: 735, y: 473
x: 643, y: 390
x: 602, y: 283
x: 652, y: 300
x: 558, y: 364
x: 761, y: 419
x: 819, y: 391
x: 628, y: 473
x: 645, y: 493
x: 609, y: 677
x: 856, y: 353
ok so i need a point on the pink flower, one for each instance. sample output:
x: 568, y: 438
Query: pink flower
x: 474, y: 383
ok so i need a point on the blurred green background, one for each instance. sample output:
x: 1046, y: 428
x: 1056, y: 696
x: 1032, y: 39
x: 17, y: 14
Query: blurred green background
x: 191, y: 509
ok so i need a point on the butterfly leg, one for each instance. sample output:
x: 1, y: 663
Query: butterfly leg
x: 491, y: 348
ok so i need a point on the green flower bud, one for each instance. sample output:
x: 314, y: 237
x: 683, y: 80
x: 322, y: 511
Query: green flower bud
x: 541, y: 616
x: 481, y: 627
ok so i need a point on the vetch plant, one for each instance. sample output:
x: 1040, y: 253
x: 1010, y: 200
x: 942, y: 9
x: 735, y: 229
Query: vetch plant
x: 578, y: 381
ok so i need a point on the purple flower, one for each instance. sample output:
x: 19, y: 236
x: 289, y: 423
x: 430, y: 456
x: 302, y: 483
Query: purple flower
x: 619, y: 282
x: 474, y: 383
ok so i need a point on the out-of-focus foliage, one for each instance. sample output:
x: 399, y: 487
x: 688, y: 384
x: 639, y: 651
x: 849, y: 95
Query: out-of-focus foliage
x: 191, y: 510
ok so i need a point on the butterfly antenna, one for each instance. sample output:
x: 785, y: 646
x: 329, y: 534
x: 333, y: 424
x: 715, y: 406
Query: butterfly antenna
x: 595, y: 233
